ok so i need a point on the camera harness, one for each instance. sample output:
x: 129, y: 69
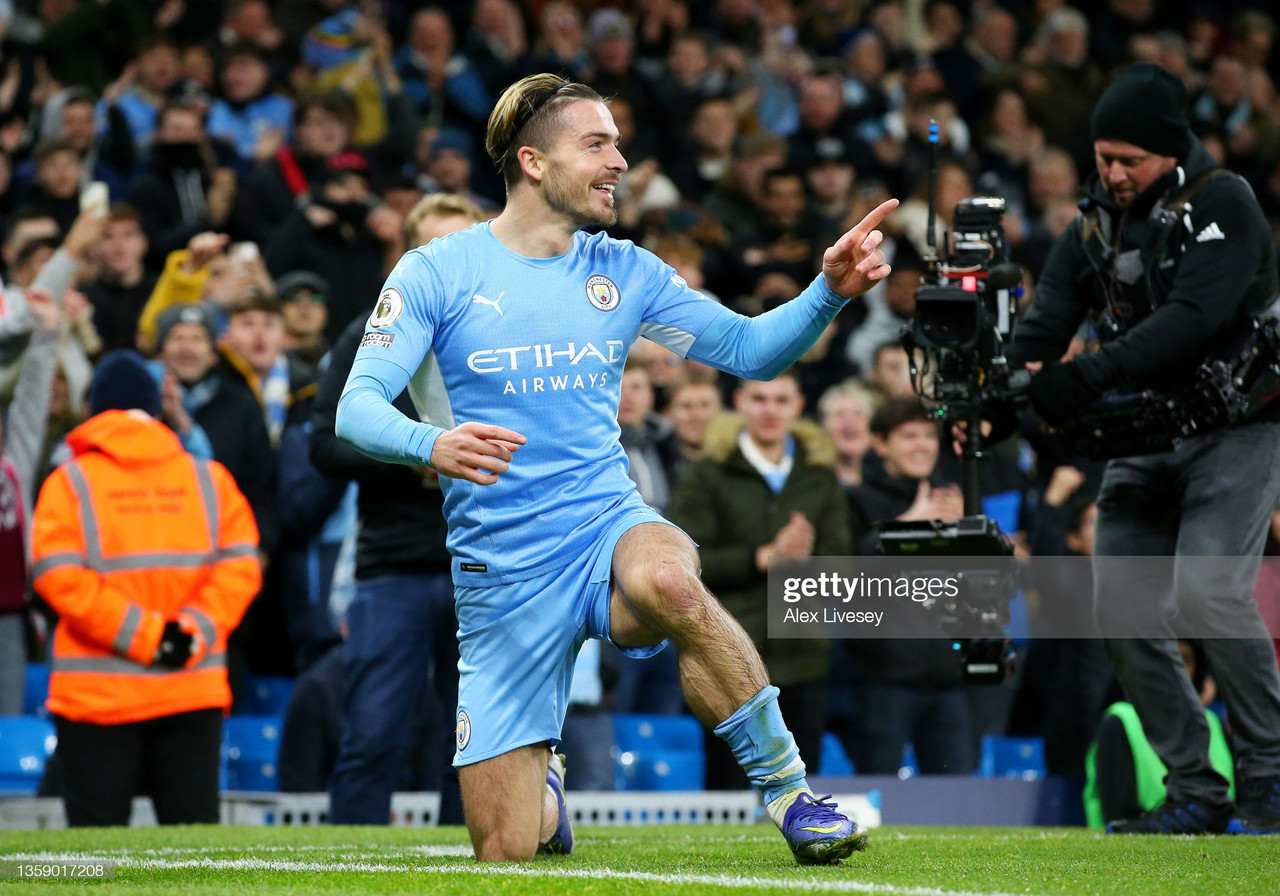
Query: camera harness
x: 1225, y: 389
x: 1130, y: 266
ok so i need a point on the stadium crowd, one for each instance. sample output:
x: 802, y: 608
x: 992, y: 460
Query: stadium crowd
x: 266, y: 164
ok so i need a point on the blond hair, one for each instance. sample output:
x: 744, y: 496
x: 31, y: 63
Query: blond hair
x: 440, y: 205
x: 528, y: 114
x: 847, y: 389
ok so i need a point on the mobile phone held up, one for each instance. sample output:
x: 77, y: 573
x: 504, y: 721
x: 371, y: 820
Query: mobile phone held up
x: 94, y: 197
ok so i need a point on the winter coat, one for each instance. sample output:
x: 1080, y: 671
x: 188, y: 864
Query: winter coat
x: 127, y: 536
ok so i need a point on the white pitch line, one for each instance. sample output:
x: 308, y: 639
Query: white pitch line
x: 729, y: 881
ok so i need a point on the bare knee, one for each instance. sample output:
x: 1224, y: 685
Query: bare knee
x: 668, y: 591
x: 502, y: 799
x: 506, y: 846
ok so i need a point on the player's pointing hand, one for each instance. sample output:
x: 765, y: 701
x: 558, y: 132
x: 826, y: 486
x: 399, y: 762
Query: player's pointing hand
x: 477, y: 452
x: 856, y: 261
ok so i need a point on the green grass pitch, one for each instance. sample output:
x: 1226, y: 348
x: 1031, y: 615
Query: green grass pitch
x: 654, y: 861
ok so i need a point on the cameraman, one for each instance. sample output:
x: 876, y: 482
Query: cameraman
x: 1168, y: 302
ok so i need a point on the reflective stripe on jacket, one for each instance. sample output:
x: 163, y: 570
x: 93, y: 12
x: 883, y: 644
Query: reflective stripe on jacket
x: 126, y: 536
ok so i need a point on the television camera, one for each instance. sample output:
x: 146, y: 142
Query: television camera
x: 964, y: 316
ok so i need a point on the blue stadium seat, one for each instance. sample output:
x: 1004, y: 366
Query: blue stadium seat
x: 37, y: 690
x: 264, y: 696
x: 250, y: 748
x: 1012, y: 757
x: 26, y: 743
x: 654, y: 752
x: 834, y: 761
x: 1004, y: 508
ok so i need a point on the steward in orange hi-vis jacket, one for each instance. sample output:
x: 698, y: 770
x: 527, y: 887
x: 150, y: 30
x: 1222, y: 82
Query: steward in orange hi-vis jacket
x: 149, y: 557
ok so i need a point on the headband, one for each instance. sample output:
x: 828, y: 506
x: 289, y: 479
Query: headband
x: 537, y: 107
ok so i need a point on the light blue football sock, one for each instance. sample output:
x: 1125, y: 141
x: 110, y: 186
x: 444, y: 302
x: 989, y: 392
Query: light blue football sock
x: 763, y: 746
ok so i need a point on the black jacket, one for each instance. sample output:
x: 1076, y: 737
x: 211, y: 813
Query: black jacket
x: 302, y: 382
x: 265, y: 200
x: 117, y: 309
x: 351, y: 266
x: 1206, y: 281
x: 232, y: 419
x: 171, y: 199
x: 402, y: 527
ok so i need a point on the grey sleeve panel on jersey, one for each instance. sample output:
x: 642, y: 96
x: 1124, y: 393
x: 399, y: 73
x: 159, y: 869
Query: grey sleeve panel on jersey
x: 426, y: 388
x: 673, y: 338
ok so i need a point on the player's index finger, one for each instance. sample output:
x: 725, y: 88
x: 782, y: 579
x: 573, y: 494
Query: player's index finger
x: 491, y: 432
x: 875, y: 216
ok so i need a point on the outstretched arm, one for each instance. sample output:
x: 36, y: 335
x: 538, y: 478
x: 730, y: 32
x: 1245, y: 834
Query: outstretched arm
x: 762, y: 347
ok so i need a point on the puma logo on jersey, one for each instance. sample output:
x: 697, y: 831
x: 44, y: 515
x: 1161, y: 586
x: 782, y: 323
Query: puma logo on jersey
x: 494, y: 302
x: 1212, y: 232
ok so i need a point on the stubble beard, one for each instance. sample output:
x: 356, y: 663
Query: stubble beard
x: 563, y: 198
x: 1125, y: 200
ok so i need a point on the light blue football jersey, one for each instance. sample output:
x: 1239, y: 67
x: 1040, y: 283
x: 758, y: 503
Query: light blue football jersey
x: 537, y: 345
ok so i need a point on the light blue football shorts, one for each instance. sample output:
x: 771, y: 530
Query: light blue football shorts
x: 519, y: 642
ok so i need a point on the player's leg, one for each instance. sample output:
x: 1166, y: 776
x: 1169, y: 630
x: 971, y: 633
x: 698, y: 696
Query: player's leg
x: 504, y: 800
x: 658, y: 595
x: 517, y: 642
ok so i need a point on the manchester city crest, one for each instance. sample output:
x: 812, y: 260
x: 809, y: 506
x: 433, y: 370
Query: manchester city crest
x: 464, y: 729
x: 603, y: 292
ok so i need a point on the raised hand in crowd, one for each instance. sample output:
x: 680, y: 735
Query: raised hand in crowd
x: 168, y: 13
x: 46, y: 86
x: 9, y: 86
x: 251, y: 273
x: 319, y: 216
x: 268, y: 144
x: 118, y: 87
x: 87, y: 231
x: 382, y: 58
x: 11, y: 134
x: 943, y: 502
x: 44, y: 310
x: 385, y: 224
x: 78, y: 312
x: 202, y: 249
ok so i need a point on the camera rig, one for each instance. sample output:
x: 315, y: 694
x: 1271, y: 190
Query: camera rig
x: 1222, y: 392
x: 964, y: 316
